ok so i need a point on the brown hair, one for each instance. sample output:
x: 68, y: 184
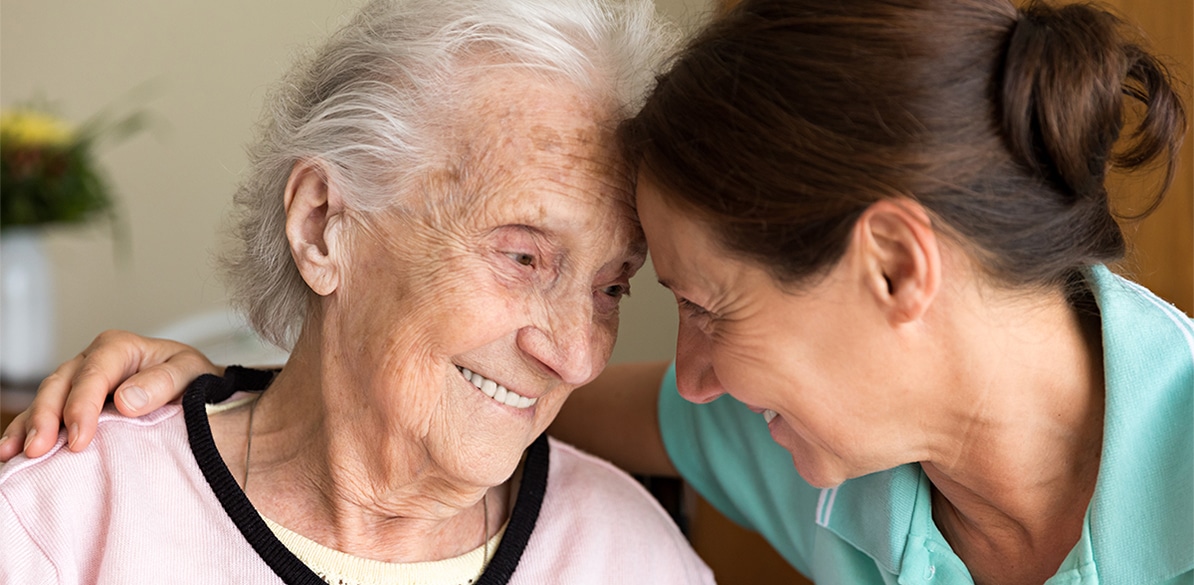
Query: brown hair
x: 785, y: 119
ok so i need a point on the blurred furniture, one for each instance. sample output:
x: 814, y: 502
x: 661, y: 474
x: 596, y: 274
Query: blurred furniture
x: 1162, y: 245
x: 736, y: 555
x: 13, y: 400
x: 225, y: 338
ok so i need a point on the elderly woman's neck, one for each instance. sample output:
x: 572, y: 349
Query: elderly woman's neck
x: 324, y: 464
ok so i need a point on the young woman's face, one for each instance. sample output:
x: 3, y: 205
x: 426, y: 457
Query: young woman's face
x: 810, y: 362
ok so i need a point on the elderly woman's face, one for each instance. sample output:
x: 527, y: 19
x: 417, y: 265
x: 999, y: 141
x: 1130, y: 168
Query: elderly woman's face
x: 473, y: 314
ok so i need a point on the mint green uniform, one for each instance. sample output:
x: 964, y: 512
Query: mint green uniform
x: 879, y: 528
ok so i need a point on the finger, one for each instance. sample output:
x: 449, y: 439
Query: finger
x: 13, y: 439
x: 150, y: 389
x: 161, y: 383
x: 48, y: 401
x: 44, y: 415
x: 110, y: 358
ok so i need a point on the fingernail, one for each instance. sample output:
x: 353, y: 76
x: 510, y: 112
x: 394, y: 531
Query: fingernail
x: 134, y: 397
x: 71, y: 434
x: 29, y: 437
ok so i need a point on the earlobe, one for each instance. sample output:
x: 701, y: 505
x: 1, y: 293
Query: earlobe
x: 313, y: 207
x: 902, y: 258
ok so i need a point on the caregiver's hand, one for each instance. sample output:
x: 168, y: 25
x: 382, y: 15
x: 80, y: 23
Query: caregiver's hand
x: 145, y: 374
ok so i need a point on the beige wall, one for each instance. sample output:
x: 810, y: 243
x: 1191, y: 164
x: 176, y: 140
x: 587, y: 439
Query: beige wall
x: 201, y: 69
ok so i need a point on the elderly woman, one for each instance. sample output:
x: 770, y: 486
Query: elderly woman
x: 439, y: 222
x: 886, y: 225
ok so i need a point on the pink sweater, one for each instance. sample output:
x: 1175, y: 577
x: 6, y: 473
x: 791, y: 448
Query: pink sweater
x: 146, y: 503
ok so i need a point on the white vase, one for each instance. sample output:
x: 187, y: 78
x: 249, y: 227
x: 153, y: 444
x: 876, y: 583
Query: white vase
x: 26, y: 306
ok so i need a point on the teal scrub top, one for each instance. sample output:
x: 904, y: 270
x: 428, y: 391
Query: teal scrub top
x: 879, y: 528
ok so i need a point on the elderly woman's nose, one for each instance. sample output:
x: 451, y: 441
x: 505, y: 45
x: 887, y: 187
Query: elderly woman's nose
x: 564, y: 343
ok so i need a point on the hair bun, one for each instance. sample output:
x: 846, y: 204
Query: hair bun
x: 1065, y: 74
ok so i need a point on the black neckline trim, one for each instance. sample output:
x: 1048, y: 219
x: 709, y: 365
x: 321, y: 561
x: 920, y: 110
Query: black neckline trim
x: 275, y: 554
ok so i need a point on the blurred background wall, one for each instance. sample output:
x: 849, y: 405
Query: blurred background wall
x: 201, y: 69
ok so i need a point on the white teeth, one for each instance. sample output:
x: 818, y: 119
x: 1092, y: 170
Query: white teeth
x: 769, y: 415
x: 489, y: 387
x: 496, y: 391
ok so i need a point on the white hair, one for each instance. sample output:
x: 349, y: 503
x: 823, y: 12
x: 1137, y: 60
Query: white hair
x: 360, y: 104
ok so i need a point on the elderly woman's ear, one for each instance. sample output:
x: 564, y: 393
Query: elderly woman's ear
x: 313, y: 212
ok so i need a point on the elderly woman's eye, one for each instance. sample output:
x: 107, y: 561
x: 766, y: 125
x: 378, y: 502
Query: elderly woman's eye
x: 617, y: 291
x: 522, y: 258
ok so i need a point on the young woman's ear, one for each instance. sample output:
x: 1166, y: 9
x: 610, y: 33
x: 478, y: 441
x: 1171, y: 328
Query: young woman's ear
x: 901, y: 257
x: 313, y: 217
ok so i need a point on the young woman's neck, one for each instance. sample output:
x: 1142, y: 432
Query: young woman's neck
x: 1012, y: 485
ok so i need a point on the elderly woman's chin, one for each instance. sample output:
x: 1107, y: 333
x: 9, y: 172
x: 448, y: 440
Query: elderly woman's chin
x: 473, y: 429
x: 482, y: 459
x: 483, y: 443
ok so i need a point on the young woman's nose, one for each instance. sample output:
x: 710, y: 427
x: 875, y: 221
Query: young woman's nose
x: 695, y: 377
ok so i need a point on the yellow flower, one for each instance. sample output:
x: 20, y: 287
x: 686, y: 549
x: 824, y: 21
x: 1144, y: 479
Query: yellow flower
x: 32, y: 128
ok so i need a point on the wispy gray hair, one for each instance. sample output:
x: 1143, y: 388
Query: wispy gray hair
x: 360, y: 104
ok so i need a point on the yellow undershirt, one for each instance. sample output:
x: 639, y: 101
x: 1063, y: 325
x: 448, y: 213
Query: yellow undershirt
x: 339, y: 568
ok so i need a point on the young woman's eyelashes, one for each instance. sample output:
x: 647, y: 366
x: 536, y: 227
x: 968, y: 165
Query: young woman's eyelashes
x: 693, y: 309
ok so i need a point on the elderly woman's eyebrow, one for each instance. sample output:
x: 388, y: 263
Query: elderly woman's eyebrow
x: 636, y: 251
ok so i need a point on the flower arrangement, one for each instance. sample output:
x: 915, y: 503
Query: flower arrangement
x: 48, y: 171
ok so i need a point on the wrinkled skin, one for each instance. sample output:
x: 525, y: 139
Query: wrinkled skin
x: 513, y: 267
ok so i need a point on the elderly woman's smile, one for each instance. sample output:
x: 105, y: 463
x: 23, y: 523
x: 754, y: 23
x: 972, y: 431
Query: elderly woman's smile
x: 497, y: 392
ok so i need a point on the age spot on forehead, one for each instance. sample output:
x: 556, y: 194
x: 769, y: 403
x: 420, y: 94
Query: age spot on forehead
x: 545, y: 138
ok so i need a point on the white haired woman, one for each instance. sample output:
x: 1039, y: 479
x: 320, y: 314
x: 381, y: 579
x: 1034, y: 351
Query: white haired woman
x: 439, y: 224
